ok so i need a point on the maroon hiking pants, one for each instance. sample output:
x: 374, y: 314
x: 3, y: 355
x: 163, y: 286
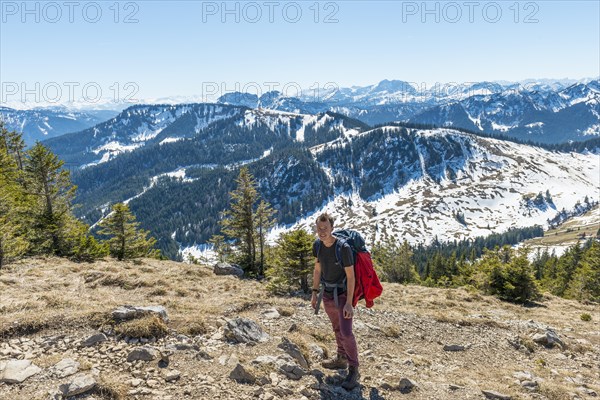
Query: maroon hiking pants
x: 346, y: 343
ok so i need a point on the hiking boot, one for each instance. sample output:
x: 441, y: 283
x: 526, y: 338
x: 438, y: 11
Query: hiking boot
x: 352, y: 378
x: 340, y: 362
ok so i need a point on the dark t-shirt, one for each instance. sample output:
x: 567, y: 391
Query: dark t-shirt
x: 331, y: 270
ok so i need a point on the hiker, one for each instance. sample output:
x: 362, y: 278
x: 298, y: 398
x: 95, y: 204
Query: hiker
x: 338, y: 308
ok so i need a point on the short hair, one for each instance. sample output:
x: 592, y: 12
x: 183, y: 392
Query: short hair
x: 325, y: 217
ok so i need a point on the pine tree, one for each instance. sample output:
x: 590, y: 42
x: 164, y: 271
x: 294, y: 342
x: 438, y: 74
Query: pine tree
x: 238, y: 222
x: 264, y: 221
x: 293, y: 262
x: 585, y: 284
x: 126, y: 239
x: 395, y: 262
x: 13, y: 242
x: 53, y: 193
x: 507, y: 274
x: 220, y: 246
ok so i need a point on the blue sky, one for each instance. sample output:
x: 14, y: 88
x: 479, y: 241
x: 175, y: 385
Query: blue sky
x: 187, y: 48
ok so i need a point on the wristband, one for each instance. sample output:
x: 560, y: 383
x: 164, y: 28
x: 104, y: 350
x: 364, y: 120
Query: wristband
x: 315, y: 290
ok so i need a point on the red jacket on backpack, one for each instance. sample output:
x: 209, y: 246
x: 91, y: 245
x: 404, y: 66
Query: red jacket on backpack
x: 367, y: 284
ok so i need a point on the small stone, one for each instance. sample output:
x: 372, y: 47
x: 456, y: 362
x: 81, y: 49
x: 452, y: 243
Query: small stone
x: 406, y: 385
x: 293, y: 350
x: 143, y: 354
x: 291, y: 370
x: 173, y: 375
x: 94, y: 339
x: 316, y: 352
x: 454, y: 347
x: 530, y: 385
x: 549, y: 338
x: 271, y: 313
x: 64, y: 368
x: 493, y: 395
x: 135, y: 382
x: 152, y: 383
x: 241, y: 375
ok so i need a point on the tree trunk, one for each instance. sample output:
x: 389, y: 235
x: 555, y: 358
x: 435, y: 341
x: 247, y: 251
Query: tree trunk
x: 1, y: 253
x: 262, y: 253
x: 50, y: 212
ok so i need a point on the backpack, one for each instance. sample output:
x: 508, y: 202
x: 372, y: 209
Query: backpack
x: 367, y: 285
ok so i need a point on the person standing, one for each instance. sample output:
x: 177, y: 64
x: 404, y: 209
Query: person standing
x: 337, y: 277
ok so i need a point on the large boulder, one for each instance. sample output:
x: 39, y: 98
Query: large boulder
x: 16, y: 371
x: 124, y: 313
x: 243, y: 330
x: 224, y: 268
x: 78, y: 385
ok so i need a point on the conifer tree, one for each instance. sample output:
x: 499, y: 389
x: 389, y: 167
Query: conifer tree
x: 12, y: 239
x: 293, y: 262
x: 52, y: 192
x: 126, y: 239
x: 395, y: 262
x: 238, y: 222
x: 585, y: 284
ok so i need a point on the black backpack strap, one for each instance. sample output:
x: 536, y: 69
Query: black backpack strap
x: 340, y: 243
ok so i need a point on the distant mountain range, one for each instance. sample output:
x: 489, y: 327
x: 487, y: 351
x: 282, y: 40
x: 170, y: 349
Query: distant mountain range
x: 545, y: 111
x: 540, y: 112
x: 175, y: 165
x: 38, y: 124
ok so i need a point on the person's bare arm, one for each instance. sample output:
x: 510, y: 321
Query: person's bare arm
x: 316, y: 282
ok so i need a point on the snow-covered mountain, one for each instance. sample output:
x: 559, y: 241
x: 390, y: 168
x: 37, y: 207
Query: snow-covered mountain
x: 38, y: 124
x: 425, y: 179
x: 572, y: 113
x: 545, y: 111
x: 139, y: 126
x: 392, y: 181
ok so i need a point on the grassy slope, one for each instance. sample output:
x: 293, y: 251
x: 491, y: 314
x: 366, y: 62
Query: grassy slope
x: 402, y: 336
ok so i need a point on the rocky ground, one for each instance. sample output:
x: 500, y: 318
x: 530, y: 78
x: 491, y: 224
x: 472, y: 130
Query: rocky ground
x: 65, y: 333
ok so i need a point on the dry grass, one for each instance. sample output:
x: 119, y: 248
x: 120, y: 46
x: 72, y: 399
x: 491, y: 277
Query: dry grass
x: 391, y: 331
x: 285, y: 311
x: 193, y: 328
x: 144, y: 327
x: 43, y: 294
x: 50, y: 296
x: 111, y: 387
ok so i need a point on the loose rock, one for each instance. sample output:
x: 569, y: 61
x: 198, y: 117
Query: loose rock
x: 493, y: 395
x: 64, y: 368
x: 16, y: 371
x: 80, y: 384
x: 224, y: 268
x: 241, y: 375
x: 406, y: 385
x: 293, y: 350
x: 94, y: 339
x: 131, y: 312
x: 143, y: 354
x: 243, y: 330
x: 549, y: 338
